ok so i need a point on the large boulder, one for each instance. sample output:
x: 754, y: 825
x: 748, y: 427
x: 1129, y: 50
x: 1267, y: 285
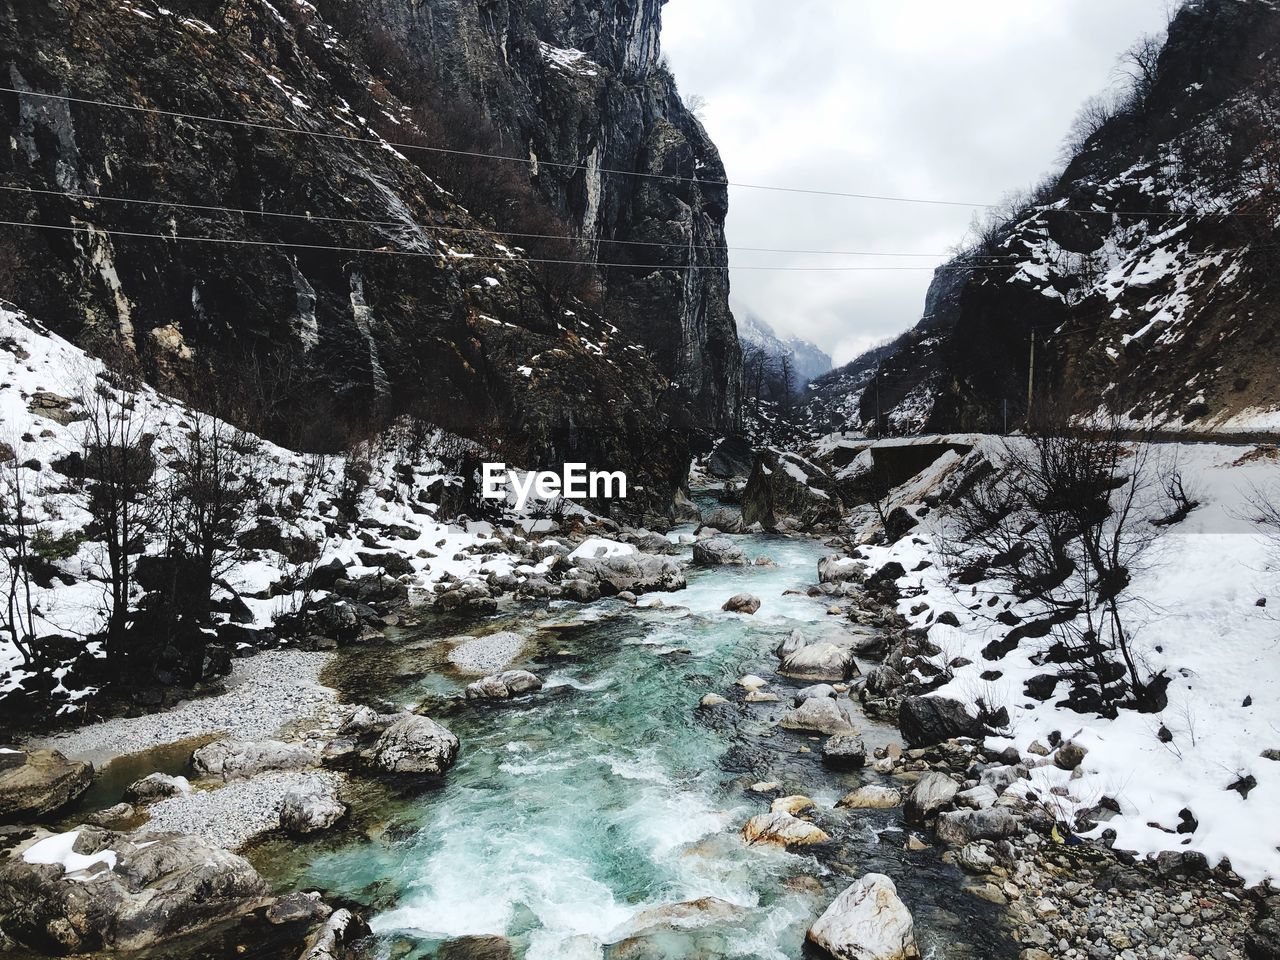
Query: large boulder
x: 788, y: 492
x: 37, y: 782
x: 925, y: 721
x: 821, y: 661
x: 742, y: 603
x: 838, y: 569
x: 311, y: 806
x: 415, y: 744
x: 157, y: 786
x: 718, y: 552
x: 932, y: 792
x: 821, y: 715
x: 867, y: 922
x: 871, y: 796
x: 504, y: 686
x: 959, y: 827
x: 92, y: 889
x: 631, y: 573
x: 732, y: 457
x: 724, y: 520
x: 844, y: 751
x: 782, y: 829
x: 233, y: 759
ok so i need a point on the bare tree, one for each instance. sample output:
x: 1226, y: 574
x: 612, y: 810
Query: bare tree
x: 18, y: 611
x: 216, y: 480
x: 119, y: 474
x: 1065, y: 522
x: 1139, y: 66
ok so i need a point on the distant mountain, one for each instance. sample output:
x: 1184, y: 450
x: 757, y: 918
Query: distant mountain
x: 808, y: 361
x: 1146, y: 270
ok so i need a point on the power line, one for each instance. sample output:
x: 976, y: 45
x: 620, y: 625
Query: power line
x: 244, y: 211
x: 386, y: 251
x: 381, y: 142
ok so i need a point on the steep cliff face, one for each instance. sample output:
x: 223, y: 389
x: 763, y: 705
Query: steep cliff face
x: 1146, y: 270
x: 579, y: 86
x: 327, y: 283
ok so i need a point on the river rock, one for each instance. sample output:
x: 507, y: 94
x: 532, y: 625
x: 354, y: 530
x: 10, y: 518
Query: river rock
x: 139, y: 894
x: 838, y: 569
x: 487, y: 655
x: 795, y: 805
x: 883, y: 681
x: 871, y: 797
x: 40, y: 783
x: 958, y: 827
x: 926, y: 721
x: 844, y: 752
x: 503, y: 686
x: 1002, y: 776
x: 795, y: 640
x: 730, y: 458
x: 686, y: 915
x: 157, y: 786
x: 311, y: 806
x: 867, y: 922
x: 112, y: 818
x: 742, y: 603
x: 633, y: 573
x: 819, y: 661
x: 230, y: 759
x: 820, y: 715
x: 333, y: 939
x: 980, y: 797
x: 786, y: 491
x: 815, y: 690
x: 782, y: 829
x: 726, y: 521
x: 928, y: 795
x: 1070, y: 755
x: 718, y: 552
x: 711, y: 700
x: 415, y: 744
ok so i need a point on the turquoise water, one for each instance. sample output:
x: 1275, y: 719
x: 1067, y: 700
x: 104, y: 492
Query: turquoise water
x: 604, y: 794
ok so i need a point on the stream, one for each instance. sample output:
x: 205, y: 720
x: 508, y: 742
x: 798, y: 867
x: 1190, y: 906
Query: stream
x: 607, y: 792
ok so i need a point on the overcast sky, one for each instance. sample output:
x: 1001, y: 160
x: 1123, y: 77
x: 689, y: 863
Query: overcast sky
x: 935, y: 99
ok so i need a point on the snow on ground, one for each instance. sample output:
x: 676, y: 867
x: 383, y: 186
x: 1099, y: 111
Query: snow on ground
x: 41, y: 374
x: 1200, y: 621
x: 59, y: 849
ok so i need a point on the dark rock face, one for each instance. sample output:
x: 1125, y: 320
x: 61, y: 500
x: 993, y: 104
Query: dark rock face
x: 1204, y: 303
x: 925, y: 721
x: 788, y: 492
x: 583, y: 85
x: 732, y: 457
x: 319, y: 344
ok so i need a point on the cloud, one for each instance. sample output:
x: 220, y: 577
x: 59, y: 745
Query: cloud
x: 928, y: 98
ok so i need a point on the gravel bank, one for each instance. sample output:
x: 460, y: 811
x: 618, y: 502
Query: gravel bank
x: 486, y: 655
x: 264, y: 693
x: 231, y: 815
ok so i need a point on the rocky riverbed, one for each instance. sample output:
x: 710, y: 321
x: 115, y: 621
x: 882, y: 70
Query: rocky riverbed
x: 728, y: 771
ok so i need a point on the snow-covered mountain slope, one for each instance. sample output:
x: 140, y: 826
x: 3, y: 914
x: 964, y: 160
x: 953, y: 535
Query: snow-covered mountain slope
x: 316, y: 538
x: 1145, y: 271
x: 243, y: 216
x: 1206, y: 591
x: 808, y: 362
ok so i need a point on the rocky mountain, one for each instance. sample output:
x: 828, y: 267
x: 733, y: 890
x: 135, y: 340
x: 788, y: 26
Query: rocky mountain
x: 808, y: 361
x: 326, y: 253
x: 1145, y: 270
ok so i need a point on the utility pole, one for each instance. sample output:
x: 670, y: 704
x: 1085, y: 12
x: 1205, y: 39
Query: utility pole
x: 877, y: 401
x: 1031, y: 378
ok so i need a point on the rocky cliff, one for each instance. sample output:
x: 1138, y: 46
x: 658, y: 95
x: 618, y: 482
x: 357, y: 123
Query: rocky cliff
x: 581, y: 89
x: 303, y: 260
x: 1145, y: 270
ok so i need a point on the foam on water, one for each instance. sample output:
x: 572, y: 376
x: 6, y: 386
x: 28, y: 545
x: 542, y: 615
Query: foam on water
x: 570, y: 812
